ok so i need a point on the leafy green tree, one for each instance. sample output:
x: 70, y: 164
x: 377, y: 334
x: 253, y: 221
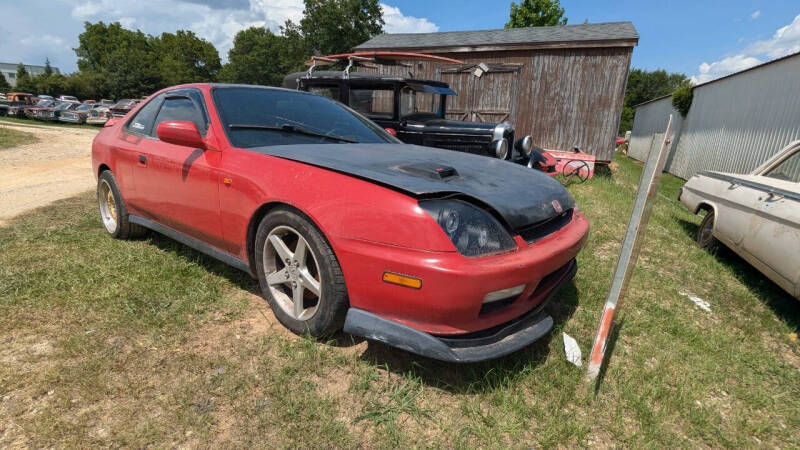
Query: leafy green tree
x: 259, y: 56
x: 536, y: 13
x: 48, y: 69
x: 682, y: 98
x: 125, y: 60
x: 24, y: 81
x: 646, y: 85
x: 336, y: 26
x: 4, y: 85
x: 185, y: 58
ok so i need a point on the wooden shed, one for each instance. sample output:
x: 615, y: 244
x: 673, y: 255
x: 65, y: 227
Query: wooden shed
x: 563, y: 85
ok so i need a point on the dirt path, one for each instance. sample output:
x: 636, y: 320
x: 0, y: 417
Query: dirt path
x: 57, y: 166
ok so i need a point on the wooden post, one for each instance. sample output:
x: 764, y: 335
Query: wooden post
x: 642, y: 207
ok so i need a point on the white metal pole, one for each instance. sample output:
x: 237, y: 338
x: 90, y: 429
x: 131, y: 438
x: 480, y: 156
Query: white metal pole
x: 642, y: 207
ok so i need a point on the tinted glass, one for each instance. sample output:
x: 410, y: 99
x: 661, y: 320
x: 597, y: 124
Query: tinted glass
x: 378, y: 103
x: 788, y: 170
x: 186, y: 106
x: 290, y: 109
x: 142, y: 122
x: 419, y: 103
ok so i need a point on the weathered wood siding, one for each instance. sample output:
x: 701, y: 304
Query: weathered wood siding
x: 570, y: 97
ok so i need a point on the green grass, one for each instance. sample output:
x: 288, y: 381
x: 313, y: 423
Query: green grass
x: 13, y: 138
x: 148, y: 343
x: 54, y: 123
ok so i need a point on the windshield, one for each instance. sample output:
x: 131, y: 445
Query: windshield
x: 84, y: 107
x: 45, y: 103
x: 415, y: 103
x: 256, y: 117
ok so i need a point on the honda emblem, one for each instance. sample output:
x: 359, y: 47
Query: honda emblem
x: 557, y: 206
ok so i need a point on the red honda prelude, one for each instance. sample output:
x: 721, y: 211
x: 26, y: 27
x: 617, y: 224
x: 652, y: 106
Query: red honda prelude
x: 444, y: 254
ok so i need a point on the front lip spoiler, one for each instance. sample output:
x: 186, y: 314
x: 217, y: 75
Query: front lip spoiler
x: 504, y: 339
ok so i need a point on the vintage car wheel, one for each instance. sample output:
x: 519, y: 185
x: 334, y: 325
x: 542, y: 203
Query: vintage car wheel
x: 705, y: 232
x: 113, y: 213
x: 299, y: 274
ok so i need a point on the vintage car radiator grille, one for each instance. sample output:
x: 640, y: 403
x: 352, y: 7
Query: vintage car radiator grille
x: 537, y: 231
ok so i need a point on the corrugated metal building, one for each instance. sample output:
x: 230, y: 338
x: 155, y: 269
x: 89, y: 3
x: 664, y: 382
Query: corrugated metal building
x: 735, y: 123
x: 9, y: 71
x: 563, y: 85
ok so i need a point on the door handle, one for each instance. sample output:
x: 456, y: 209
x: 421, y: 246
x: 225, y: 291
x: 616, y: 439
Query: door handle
x: 143, y: 160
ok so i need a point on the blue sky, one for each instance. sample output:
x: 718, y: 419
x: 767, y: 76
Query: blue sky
x: 703, y: 39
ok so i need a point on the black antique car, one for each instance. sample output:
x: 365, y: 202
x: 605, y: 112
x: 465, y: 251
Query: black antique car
x: 413, y: 110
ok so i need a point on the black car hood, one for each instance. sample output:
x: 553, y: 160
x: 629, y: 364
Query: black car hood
x: 522, y: 196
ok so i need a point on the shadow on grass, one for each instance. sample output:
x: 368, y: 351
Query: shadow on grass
x: 785, y: 307
x: 477, y: 377
x: 210, y: 264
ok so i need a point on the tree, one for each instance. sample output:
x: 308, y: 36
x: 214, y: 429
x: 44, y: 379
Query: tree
x: 536, y: 13
x: 259, y: 56
x: 336, y: 26
x: 124, y: 60
x: 643, y: 86
x: 48, y: 69
x: 185, y: 58
x: 682, y: 98
x: 4, y: 85
x: 24, y: 81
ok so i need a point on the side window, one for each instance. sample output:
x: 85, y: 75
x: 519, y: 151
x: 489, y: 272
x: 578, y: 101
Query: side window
x: 331, y: 92
x: 788, y: 170
x: 142, y: 122
x: 185, y: 106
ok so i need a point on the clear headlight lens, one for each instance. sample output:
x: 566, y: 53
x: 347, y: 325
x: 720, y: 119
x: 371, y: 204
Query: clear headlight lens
x: 524, y: 145
x: 500, y: 148
x: 472, y: 230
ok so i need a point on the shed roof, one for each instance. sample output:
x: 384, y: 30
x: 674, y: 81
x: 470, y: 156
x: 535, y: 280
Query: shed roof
x: 611, y: 34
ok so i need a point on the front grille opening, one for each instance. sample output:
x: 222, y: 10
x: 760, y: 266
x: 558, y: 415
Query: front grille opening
x: 540, y: 230
x: 496, y: 305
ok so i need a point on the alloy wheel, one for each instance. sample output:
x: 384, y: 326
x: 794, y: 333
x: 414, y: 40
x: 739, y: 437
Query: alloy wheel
x: 108, y: 206
x: 292, y: 272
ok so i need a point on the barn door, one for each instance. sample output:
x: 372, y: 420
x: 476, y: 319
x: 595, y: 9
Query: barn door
x: 490, y: 97
x: 459, y: 107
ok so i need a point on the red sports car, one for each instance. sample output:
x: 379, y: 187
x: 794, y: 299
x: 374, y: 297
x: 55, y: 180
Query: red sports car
x: 444, y: 254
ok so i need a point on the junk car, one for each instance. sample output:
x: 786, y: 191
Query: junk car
x: 413, y: 110
x: 757, y: 215
x: 444, y: 254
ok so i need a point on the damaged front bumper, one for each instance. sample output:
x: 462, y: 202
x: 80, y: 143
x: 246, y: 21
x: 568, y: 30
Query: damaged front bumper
x: 483, y: 345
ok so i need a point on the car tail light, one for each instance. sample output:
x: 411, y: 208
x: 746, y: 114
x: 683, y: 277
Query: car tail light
x: 391, y: 131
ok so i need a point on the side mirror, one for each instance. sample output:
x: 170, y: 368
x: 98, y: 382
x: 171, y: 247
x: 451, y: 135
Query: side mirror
x: 180, y: 132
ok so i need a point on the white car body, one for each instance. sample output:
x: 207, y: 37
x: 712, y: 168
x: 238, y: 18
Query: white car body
x: 756, y: 215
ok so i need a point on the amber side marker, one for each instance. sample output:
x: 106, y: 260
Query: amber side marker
x: 402, y: 280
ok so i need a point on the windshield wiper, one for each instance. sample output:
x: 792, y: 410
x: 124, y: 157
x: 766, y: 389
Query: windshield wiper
x: 291, y: 129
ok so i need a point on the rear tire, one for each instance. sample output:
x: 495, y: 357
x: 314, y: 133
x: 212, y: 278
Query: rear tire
x: 113, y: 214
x: 705, y: 232
x: 299, y: 274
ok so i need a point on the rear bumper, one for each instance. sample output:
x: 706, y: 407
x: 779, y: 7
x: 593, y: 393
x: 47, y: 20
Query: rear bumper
x: 484, y: 345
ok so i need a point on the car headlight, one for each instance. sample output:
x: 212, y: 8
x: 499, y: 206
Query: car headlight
x: 524, y: 145
x: 500, y: 148
x: 472, y: 230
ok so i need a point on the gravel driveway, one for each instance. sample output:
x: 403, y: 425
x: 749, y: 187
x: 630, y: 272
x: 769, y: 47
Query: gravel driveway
x: 56, y: 167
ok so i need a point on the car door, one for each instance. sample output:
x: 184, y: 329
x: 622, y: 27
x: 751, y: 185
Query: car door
x: 178, y: 186
x: 134, y: 138
x: 773, y: 234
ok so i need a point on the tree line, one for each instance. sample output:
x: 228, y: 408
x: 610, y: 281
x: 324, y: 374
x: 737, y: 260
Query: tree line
x: 114, y: 62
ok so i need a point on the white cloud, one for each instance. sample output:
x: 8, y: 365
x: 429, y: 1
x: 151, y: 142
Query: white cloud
x: 785, y: 41
x: 397, y: 22
x: 756, y: 14
x: 716, y: 69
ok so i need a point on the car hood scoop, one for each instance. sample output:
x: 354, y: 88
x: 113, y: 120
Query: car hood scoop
x: 522, y: 196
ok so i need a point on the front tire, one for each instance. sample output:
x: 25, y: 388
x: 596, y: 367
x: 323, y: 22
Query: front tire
x: 705, y: 232
x: 113, y: 213
x: 299, y: 274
